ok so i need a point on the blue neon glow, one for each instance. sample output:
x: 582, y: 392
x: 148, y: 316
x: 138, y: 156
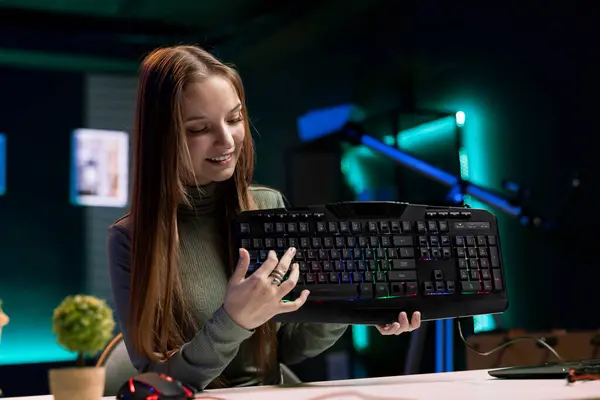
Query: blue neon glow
x: 439, y: 175
x: 454, y: 195
x: 439, y: 345
x: 316, y: 124
x: 449, y: 345
x: 410, y: 161
x: 512, y: 186
x: 2, y: 164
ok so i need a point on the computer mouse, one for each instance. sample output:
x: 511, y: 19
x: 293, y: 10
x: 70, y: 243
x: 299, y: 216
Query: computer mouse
x: 155, y: 386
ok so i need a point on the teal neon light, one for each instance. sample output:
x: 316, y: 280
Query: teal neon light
x: 427, y: 134
x: 360, y: 337
x: 390, y: 140
x: 354, y: 167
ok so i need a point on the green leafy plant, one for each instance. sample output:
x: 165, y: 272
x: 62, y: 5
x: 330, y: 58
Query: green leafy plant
x: 83, y: 325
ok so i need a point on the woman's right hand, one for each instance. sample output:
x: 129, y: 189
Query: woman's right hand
x: 252, y: 301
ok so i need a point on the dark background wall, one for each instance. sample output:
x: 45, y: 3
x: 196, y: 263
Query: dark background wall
x: 41, y: 252
x: 528, y: 84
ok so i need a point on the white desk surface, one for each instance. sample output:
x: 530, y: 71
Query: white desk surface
x: 444, y: 386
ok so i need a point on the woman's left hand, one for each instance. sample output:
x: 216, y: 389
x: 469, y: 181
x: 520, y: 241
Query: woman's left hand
x: 402, y: 325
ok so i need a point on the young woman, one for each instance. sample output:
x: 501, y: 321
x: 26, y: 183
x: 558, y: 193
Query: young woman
x: 185, y: 308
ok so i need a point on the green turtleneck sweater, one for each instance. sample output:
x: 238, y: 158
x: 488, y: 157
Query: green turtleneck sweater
x: 220, y: 345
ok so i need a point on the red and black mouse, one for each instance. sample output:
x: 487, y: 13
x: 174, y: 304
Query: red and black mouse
x: 154, y: 386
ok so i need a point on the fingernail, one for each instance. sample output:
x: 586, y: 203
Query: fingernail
x: 293, y: 250
x: 271, y: 253
x: 295, y: 265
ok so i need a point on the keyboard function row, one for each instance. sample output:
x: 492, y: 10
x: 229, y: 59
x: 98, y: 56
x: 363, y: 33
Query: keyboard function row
x: 355, y: 227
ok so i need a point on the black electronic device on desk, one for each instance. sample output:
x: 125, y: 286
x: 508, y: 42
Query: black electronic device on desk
x: 553, y: 370
x: 364, y: 262
x: 155, y: 386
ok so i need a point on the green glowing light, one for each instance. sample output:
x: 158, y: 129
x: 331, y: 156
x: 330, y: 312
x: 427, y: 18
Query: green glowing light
x: 390, y: 140
x: 427, y: 134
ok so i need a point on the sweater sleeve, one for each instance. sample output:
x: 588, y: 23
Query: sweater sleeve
x: 302, y: 341
x: 199, y: 361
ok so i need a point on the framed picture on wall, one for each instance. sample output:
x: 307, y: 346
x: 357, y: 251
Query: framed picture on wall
x: 100, y: 168
x: 2, y: 164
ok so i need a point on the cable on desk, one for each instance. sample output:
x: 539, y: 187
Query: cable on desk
x: 541, y: 341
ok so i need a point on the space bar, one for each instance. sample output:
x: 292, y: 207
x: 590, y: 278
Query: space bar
x: 332, y: 292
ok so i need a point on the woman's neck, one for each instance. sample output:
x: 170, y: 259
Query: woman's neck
x: 203, y: 200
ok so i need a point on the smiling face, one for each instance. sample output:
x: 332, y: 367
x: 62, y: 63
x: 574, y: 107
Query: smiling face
x: 214, y: 125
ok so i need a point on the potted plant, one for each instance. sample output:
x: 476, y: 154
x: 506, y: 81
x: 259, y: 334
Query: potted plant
x: 83, y: 325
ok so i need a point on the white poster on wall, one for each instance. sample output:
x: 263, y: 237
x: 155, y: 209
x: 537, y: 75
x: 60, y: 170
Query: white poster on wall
x: 100, y: 168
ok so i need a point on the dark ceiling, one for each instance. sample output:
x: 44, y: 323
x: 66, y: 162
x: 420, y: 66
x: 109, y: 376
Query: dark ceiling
x: 112, y: 35
x: 123, y: 30
x: 200, y: 14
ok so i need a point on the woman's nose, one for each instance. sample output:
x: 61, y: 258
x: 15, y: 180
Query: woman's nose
x: 225, y: 137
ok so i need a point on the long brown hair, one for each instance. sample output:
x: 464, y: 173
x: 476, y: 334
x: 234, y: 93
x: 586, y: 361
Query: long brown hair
x: 159, y: 320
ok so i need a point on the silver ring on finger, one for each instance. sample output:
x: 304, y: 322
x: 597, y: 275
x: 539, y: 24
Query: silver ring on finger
x: 276, y: 281
x: 276, y: 276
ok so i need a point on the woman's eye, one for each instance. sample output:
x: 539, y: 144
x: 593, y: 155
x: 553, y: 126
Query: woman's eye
x: 197, y: 131
x: 236, y: 120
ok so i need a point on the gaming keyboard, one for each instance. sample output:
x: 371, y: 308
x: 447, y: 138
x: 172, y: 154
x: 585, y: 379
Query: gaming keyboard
x: 364, y: 262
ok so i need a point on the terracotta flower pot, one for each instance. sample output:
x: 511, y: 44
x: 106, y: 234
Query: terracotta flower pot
x: 4, y: 320
x: 81, y: 383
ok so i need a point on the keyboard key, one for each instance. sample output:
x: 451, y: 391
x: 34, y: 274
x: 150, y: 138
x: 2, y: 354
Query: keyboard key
x: 395, y: 276
x: 381, y: 290
x: 470, y: 286
x: 404, y: 264
x: 332, y: 292
x: 497, y: 279
x: 400, y: 241
x: 366, y: 291
x: 494, y: 259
